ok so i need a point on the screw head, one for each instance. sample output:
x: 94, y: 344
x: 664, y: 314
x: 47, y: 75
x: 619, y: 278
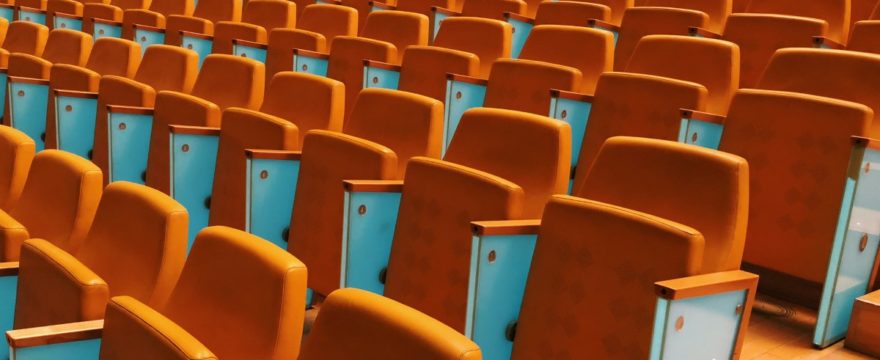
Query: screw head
x: 694, y: 137
x: 244, y: 55
x: 362, y: 209
x: 189, y: 46
x: 679, y: 324
x: 305, y: 67
x: 564, y: 114
x: 63, y: 25
x: 457, y: 95
x: 100, y: 31
x: 122, y: 126
x: 21, y: 93
x: 375, y: 79
x: 68, y: 108
x: 264, y: 174
x: 492, y: 256
x: 184, y: 148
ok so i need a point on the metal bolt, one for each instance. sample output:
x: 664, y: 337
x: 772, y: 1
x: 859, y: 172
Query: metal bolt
x: 100, y: 31
x: 185, y: 148
x: 694, y: 137
x: 143, y: 39
x: 679, y: 323
x: 122, y: 126
x: 492, y: 256
x: 189, y: 46
x: 21, y: 93
x: 564, y: 114
x: 362, y: 209
x: 264, y: 174
x: 305, y: 67
x: 63, y: 25
x: 863, y: 244
x: 375, y: 79
x: 458, y: 95
x: 68, y: 108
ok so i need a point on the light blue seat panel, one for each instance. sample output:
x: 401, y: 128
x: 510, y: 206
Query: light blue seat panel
x: 28, y: 99
x: 368, y: 223
x: 129, y: 130
x: 193, y: 160
x: 148, y: 35
x: 311, y: 62
x: 67, y: 21
x: 271, y: 182
x: 522, y: 27
x: 381, y: 75
x: 200, y: 43
x: 701, y: 129
x: 107, y: 28
x: 7, y: 12
x: 249, y: 49
x: 75, y: 114
x: 462, y: 93
x: 32, y: 15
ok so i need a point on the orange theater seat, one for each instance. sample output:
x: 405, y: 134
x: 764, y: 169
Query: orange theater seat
x: 717, y: 10
x: 618, y: 7
x: 525, y: 85
x: 835, y: 13
x: 573, y: 13
x: 155, y: 15
x: 16, y: 155
x: 401, y: 29
x: 23, y: 37
x: 260, y: 17
x: 493, y: 43
x: 424, y: 69
x: 864, y: 37
x: 593, y: 55
x: 318, y: 26
x: 206, y: 14
x: 639, y: 22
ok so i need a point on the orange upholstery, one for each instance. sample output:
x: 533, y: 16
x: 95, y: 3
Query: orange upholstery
x: 760, y: 35
x: 593, y: 55
x: 136, y: 246
x: 400, y: 28
x: 203, y: 106
x: 23, y: 37
x: 876, y: 14
x: 618, y: 7
x: 358, y: 324
x: 836, y: 13
x: 572, y: 13
x: 492, y: 9
x: 33, y: 4
x: 424, y: 69
x: 260, y: 17
x: 318, y: 26
x: 109, y: 56
x: 424, y: 6
x: 62, y: 47
x: 491, y: 140
x: 309, y: 101
x: 573, y: 254
x: 346, y: 63
x: 4, y: 29
x: 202, y: 21
x: 386, y: 129
x: 795, y: 194
x: 61, y: 6
x: 16, y: 154
x: 156, y: 15
x: 707, y: 189
x: 636, y: 105
x: 711, y: 63
x: 642, y: 21
x: 439, y: 201
x: 163, y: 68
x: 740, y: 5
x: 861, y: 10
x: 100, y: 11
x: 864, y: 37
x: 717, y: 10
x: 57, y: 203
x: 492, y: 43
x: 844, y: 75
x: 525, y: 85
x: 262, y: 319
x: 243, y: 129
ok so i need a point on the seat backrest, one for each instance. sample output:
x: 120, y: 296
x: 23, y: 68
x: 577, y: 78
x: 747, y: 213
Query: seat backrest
x: 346, y: 63
x: 440, y: 199
x: 243, y: 129
x: 796, y: 193
x: 330, y: 21
x: 639, y: 22
x: 268, y: 301
x: 16, y: 154
x: 166, y: 67
x: 584, y: 243
x: 70, y: 7
x: 709, y: 62
x: 845, y: 75
x: 532, y: 151
x: 717, y: 10
x: 424, y: 69
x: 218, y: 10
x: 525, y: 85
x: 865, y: 37
x: 172, y: 7
x: 875, y: 15
x: 359, y: 324
x: 760, y: 35
x: 400, y: 28
x: 493, y: 9
x: 131, y: 4
x: 26, y: 37
x: 65, y: 46
x: 137, y: 243
x: 593, y: 55
x: 493, y: 43
x: 114, y: 56
x: 242, y: 80
x: 270, y: 14
x: 574, y: 13
x: 834, y: 12
x: 618, y: 7
x: 424, y: 6
x: 861, y: 10
x: 309, y: 101
x: 629, y: 104
x: 58, y: 202
x: 706, y: 189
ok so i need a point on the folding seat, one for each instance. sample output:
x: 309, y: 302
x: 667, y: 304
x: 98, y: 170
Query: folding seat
x: 845, y: 75
x: 424, y: 7
x: 29, y: 80
x: 593, y: 55
x: 68, y: 7
x: 574, y: 13
x: 717, y: 10
x: 17, y: 151
x: 642, y: 21
x: 122, y: 125
x: 835, y: 13
x: 864, y: 34
x: 71, y: 106
x: 710, y: 62
x: 487, y: 9
x: 861, y: 10
x: 493, y: 43
x: 205, y: 15
x: 354, y: 323
x: 124, y: 17
x: 19, y: 37
x: 31, y: 11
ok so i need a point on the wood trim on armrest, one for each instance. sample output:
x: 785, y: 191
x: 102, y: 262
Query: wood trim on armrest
x: 693, y: 30
x: 505, y: 227
x: 53, y: 334
x: 195, y: 35
x: 148, y: 28
x: 707, y: 284
x: 76, y: 94
x: 518, y: 17
x: 9, y: 268
x: 106, y: 21
x: 467, y: 79
x: 381, y: 65
x: 382, y: 5
x: 123, y: 109
x: 703, y: 116
x: 596, y: 23
x: 67, y: 16
x: 373, y: 185
x: 194, y: 130
x: 870, y: 143
x: 250, y: 44
x: 273, y: 154
x: 444, y: 11
x: 27, y: 80
x: 571, y: 95
x: 821, y: 40
x: 8, y: 6
x: 31, y: 9
x: 311, y: 54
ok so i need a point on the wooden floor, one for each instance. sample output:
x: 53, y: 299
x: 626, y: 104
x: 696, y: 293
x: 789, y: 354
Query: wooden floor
x: 780, y: 331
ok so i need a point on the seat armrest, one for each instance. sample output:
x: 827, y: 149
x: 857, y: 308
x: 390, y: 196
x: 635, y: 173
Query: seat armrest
x: 272, y: 176
x: 522, y: 27
x: 444, y: 11
x: 378, y: 74
x: 136, y: 110
x: 76, y: 94
x: 249, y: 49
x: 9, y: 268
x: 823, y: 42
x: 700, y: 32
x: 379, y: 6
x: 197, y: 111
x: 312, y: 62
x: 54, y: 334
x: 705, y: 285
x: 106, y: 22
x: 701, y: 128
x: 462, y: 93
x: 12, y: 235
x: 28, y: 80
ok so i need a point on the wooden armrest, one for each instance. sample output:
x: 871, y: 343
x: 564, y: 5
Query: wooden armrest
x: 824, y: 41
x: 76, y: 94
x: 703, y: 116
x: 249, y: 44
x: 869, y: 143
x: 373, y: 185
x: 273, y: 154
x: 67, y: 16
x: 382, y: 5
x: 599, y: 24
x: 148, y: 28
x: 106, y: 22
x: 506, y: 227
x: 8, y: 6
x: 195, y: 35
x: 518, y: 17
x: 26, y: 80
x: 311, y: 54
x: 122, y: 109
x: 53, y: 334
x: 334, y: 2
x: 9, y: 268
x: 467, y: 79
x: 571, y: 95
x: 708, y: 284
x: 26, y: 8
x: 381, y: 65
x: 693, y: 30
x: 444, y: 11
x: 194, y: 130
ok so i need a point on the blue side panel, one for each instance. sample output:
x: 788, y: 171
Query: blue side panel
x: 438, y: 19
x: 147, y: 38
x: 75, y: 121
x: 460, y: 97
x: 381, y: 78
x: 577, y: 115
x: 700, y: 328
x: 854, y: 250
x: 498, y: 274
x: 27, y: 110
x: 4, y: 79
x: 271, y: 192
x: 658, y: 333
x: 700, y: 133
x: 68, y: 23
x: 249, y: 52
x: 306, y: 64
x: 8, y: 288
x: 7, y: 13
x: 377, y: 8
x: 32, y: 16
x: 106, y: 30
x: 129, y: 139
x: 75, y: 350
x: 368, y: 230
x: 193, y: 159
x: 521, y: 31
x: 202, y: 47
